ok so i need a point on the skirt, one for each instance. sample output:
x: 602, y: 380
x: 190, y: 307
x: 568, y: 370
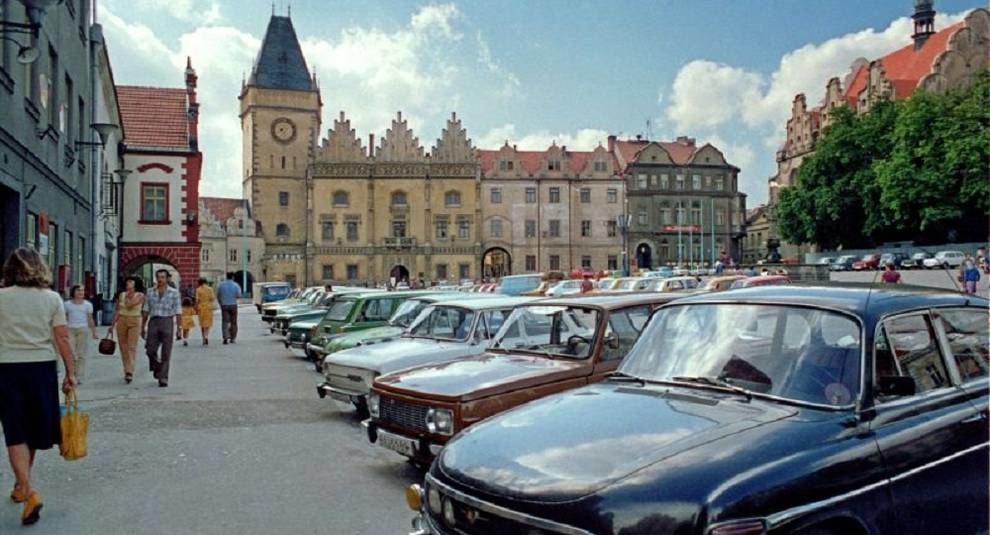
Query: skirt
x: 29, y: 410
x: 205, y: 315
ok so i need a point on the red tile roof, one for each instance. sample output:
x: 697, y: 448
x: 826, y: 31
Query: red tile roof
x: 154, y: 117
x: 534, y: 161
x: 680, y: 152
x: 222, y: 208
x: 905, y: 67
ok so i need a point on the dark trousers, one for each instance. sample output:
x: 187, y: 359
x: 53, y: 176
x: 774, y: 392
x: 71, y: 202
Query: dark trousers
x: 228, y: 321
x: 161, y: 332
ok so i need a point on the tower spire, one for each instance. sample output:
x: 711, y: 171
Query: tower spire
x: 924, y: 21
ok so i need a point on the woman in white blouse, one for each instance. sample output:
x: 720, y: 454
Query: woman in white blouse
x: 79, y: 314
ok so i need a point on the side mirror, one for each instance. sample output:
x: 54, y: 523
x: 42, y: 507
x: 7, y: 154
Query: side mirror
x: 612, y: 341
x: 896, y: 385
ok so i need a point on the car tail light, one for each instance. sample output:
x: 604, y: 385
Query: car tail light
x: 745, y: 527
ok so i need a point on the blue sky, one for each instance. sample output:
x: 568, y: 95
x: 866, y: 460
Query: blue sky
x: 528, y: 72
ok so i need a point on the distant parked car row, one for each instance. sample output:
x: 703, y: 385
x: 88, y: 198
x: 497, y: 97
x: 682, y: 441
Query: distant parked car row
x: 942, y: 259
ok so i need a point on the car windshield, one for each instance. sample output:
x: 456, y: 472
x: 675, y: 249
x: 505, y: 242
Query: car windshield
x: 566, y: 331
x: 276, y: 291
x: 443, y: 322
x: 799, y: 353
x: 407, y: 312
x: 340, y: 310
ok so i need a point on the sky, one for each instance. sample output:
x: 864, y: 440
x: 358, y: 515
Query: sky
x: 530, y: 73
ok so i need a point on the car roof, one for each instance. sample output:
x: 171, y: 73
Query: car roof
x: 850, y: 297
x: 491, y: 302
x: 444, y: 296
x: 612, y: 301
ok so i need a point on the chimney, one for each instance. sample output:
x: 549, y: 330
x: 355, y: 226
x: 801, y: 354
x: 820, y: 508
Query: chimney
x: 611, y: 143
x: 192, y: 113
x: 371, y: 145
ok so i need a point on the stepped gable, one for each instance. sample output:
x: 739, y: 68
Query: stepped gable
x: 399, y: 144
x: 454, y: 146
x: 341, y: 143
x: 280, y: 63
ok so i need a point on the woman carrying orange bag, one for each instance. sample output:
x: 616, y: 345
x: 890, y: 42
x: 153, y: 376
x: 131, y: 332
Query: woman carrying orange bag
x: 33, y: 319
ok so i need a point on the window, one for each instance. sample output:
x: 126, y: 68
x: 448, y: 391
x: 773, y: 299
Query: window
x: 553, y: 165
x: 653, y: 181
x: 452, y: 198
x: 441, y: 271
x: 69, y: 117
x: 664, y: 181
x: 530, y: 262
x: 352, y: 272
x: 719, y: 217
x: 399, y: 229
x: 696, y: 182
x: 642, y: 217
x: 912, y: 343
x: 665, y: 215
x: 232, y: 257
x: 70, y: 245
x: 463, y: 230
x: 282, y: 230
x: 554, y: 228
x: 441, y: 225
x: 81, y: 251
x: 555, y: 195
x: 586, y: 261
x: 496, y: 195
x: 612, y: 196
x: 679, y: 183
x: 530, y: 195
x: 555, y: 262
x: 248, y: 255
x: 601, y: 166
x: 82, y: 119
x: 327, y: 272
x: 204, y: 255
x: 154, y: 203
x: 326, y: 230
x: 695, y: 213
x: 340, y: 198
x: 52, y: 82
x: 530, y: 228
x: 496, y: 228
x: 505, y: 165
x: 399, y: 198
x: 283, y: 199
x: 719, y: 183
x: 352, y: 232
x: 464, y: 271
x: 613, y: 262
x: 610, y: 228
x: 680, y: 214
x: 585, y: 195
x: 967, y: 333
x: 31, y: 74
x: 586, y: 228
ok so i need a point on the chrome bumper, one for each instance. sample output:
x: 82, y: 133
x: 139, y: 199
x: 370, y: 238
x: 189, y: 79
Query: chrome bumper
x: 324, y: 389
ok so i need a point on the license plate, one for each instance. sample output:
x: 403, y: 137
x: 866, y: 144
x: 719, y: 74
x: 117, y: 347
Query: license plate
x: 403, y: 445
x: 339, y: 396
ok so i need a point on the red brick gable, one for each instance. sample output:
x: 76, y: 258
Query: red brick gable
x: 154, y: 117
x: 222, y: 208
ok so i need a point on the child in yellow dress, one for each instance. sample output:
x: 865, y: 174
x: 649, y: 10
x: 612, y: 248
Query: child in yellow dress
x: 188, y: 323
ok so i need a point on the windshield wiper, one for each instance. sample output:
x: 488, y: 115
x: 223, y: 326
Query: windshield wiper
x: 626, y: 378
x: 718, y: 382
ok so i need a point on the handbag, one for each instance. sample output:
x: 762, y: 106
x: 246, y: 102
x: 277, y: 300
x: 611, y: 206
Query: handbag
x: 75, y: 425
x: 107, y: 345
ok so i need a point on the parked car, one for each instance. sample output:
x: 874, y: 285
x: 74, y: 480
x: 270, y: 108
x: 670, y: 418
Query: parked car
x: 806, y: 410
x: 545, y: 347
x: 442, y: 332
x: 280, y: 325
x: 760, y: 280
x: 350, y: 313
x: 565, y: 287
x: 518, y: 284
x: 310, y: 302
x: 298, y: 296
x: 826, y: 260
x: 671, y: 284
x: 916, y: 261
x: 401, y: 319
x: 867, y: 261
x: 892, y: 258
x: 945, y: 259
x: 843, y: 263
x: 269, y: 292
x: 723, y: 282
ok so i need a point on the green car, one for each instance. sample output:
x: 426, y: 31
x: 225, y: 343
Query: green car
x: 323, y: 345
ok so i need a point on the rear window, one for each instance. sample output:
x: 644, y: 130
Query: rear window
x: 519, y: 284
x: 276, y: 291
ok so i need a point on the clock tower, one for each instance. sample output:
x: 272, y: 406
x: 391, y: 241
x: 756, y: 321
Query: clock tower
x: 280, y: 125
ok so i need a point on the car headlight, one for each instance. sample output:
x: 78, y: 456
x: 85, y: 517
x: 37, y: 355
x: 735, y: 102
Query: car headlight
x: 373, y: 404
x: 448, y: 513
x: 434, y: 502
x: 440, y: 421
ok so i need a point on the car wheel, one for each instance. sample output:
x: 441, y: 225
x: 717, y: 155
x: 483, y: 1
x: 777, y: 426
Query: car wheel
x: 362, y: 408
x: 318, y: 366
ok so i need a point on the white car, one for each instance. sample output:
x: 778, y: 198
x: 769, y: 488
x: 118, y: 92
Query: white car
x: 945, y: 259
x: 565, y: 287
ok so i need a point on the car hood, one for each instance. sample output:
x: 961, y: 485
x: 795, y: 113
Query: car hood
x: 402, y: 353
x: 573, y: 444
x: 369, y: 336
x: 483, y: 375
x: 304, y: 324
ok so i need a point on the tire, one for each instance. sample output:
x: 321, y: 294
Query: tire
x: 361, y: 408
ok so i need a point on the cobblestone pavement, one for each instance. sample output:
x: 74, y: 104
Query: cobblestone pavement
x: 238, y: 443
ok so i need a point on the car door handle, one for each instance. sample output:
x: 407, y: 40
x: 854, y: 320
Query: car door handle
x: 976, y: 418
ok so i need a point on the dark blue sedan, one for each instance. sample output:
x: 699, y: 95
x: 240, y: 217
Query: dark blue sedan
x: 782, y: 409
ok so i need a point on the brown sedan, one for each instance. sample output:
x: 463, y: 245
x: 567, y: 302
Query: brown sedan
x: 545, y: 347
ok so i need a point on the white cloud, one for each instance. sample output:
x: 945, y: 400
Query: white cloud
x: 436, y: 20
x: 706, y: 94
x: 582, y: 139
x: 184, y: 10
x: 511, y: 81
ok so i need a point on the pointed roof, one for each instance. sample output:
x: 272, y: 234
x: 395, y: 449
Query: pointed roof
x: 280, y: 63
x: 154, y: 117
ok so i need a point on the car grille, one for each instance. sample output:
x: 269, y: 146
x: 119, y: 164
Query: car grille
x: 402, y: 413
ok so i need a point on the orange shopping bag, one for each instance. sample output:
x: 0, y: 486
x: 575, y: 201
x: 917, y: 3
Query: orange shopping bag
x: 74, y: 424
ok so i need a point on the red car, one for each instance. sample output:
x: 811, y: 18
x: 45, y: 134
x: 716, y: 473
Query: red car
x: 869, y: 261
x: 760, y: 280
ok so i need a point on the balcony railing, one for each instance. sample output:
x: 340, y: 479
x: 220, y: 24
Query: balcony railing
x: 400, y: 243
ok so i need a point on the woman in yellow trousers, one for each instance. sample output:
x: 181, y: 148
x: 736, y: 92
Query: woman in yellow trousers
x: 205, y: 299
x: 127, y: 320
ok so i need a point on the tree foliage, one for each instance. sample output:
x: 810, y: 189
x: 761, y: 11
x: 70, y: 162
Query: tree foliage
x: 902, y: 170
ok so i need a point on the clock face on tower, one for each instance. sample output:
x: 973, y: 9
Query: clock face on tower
x: 283, y: 130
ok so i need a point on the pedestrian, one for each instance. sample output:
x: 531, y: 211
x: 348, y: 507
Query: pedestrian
x: 205, y: 298
x: 188, y: 319
x: 127, y: 320
x: 188, y: 292
x: 890, y: 274
x: 161, y: 317
x: 587, y: 285
x: 82, y: 327
x: 227, y: 294
x: 34, y: 333
x: 969, y: 275
x: 328, y: 288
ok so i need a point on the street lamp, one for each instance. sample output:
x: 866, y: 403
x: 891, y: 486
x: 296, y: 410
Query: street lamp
x: 36, y: 12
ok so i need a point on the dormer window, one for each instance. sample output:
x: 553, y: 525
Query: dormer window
x: 601, y: 166
x: 505, y: 165
x: 553, y: 165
